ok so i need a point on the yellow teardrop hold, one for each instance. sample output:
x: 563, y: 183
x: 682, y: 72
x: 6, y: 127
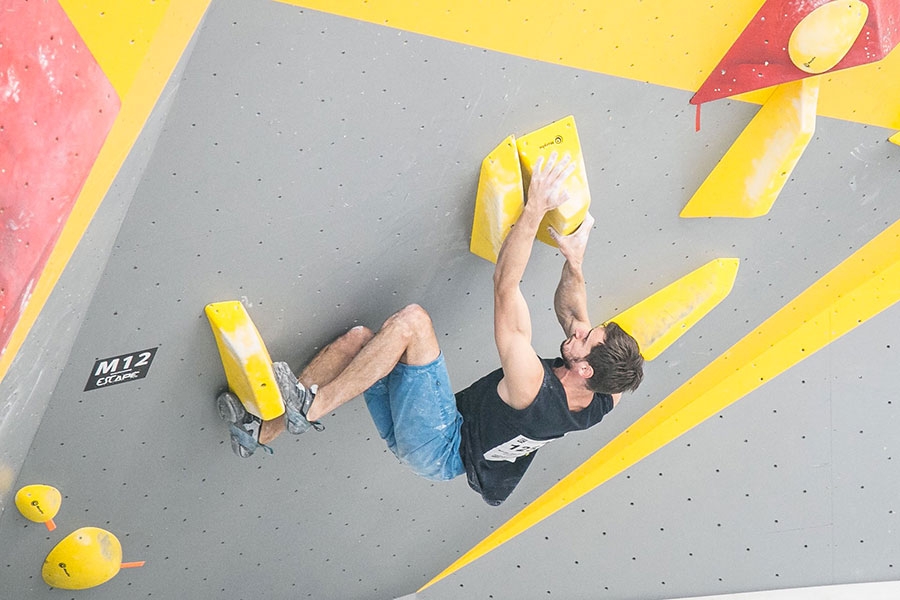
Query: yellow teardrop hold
x: 822, y: 39
x: 83, y: 559
x: 38, y: 503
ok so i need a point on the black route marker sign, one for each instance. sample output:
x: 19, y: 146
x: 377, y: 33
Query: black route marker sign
x: 120, y: 369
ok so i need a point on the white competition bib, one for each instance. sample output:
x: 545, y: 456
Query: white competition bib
x: 514, y: 448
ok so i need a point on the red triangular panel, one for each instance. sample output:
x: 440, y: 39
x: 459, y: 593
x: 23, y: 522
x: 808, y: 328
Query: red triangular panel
x: 56, y: 108
x: 759, y: 57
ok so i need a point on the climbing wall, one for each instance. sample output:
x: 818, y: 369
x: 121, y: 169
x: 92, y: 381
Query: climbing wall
x: 322, y: 170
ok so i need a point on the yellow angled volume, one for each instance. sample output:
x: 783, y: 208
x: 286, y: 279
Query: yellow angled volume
x: 248, y: 367
x: 748, y: 179
x: 499, y: 201
x: 561, y: 136
x: 83, y: 559
x: 658, y: 321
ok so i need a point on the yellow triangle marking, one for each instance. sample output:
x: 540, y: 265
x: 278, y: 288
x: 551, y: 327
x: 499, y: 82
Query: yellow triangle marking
x: 117, y: 33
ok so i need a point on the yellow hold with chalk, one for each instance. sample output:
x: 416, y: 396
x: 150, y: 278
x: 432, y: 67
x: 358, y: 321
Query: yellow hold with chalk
x: 499, y: 201
x: 659, y: 320
x: 248, y: 367
x: 501, y: 188
x: 562, y: 137
x: 747, y: 180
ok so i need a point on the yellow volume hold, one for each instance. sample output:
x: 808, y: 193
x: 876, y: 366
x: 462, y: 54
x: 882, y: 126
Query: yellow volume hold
x: 856, y: 290
x: 248, y: 367
x: 561, y: 136
x: 658, y: 321
x: 499, y: 200
x: 748, y: 179
x: 895, y: 139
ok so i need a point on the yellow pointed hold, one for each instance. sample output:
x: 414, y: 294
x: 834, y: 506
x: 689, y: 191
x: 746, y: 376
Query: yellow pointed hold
x: 499, y: 201
x: 39, y: 503
x: 83, y: 559
x: 748, y: 179
x: 658, y: 321
x: 895, y: 138
x: 561, y: 136
x: 248, y: 367
x: 822, y: 39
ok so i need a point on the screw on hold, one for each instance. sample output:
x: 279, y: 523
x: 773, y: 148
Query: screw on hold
x: 62, y: 566
x: 809, y: 62
x: 36, y: 504
x: 558, y: 139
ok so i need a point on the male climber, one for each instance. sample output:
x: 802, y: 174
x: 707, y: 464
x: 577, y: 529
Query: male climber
x: 491, y: 430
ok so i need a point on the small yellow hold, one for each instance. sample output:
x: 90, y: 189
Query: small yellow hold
x: 822, y: 39
x: 895, y: 139
x: 83, y: 559
x: 560, y: 136
x: 39, y: 503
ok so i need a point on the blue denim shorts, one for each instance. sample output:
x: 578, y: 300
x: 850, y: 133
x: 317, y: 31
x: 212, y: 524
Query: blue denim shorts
x: 414, y: 410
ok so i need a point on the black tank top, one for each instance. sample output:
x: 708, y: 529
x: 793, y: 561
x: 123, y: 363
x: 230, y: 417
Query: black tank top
x: 499, y: 442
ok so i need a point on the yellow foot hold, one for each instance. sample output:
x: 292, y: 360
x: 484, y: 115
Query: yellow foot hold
x: 895, y: 138
x: 752, y: 173
x: 248, y: 367
x: 499, y: 201
x: 658, y: 321
x: 561, y: 136
x: 83, y: 559
x: 39, y: 503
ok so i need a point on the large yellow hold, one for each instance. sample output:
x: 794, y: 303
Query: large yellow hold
x: 83, y: 559
x: 562, y: 137
x: 501, y: 187
x: 822, y: 39
x: 248, y: 367
x: 499, y: 201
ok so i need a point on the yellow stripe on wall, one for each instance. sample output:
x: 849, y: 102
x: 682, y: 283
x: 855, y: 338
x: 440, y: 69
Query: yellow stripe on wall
x: 856, y: 290
x: 117, y: 33
x: 675, y: 44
